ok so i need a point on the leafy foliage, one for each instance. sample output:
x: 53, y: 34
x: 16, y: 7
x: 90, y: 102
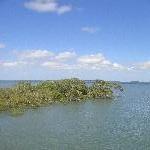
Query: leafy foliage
x: 25, y: 94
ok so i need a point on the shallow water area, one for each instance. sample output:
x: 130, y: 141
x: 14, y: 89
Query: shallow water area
x: 120, y: 124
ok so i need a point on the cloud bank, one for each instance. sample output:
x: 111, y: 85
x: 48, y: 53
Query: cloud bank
x: 63, y: 60
x: 68, y: 60
x: 47, y: 64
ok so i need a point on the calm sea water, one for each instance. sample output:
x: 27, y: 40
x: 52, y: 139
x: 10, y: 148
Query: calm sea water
x: 10, y: 83
x: 122, y: 124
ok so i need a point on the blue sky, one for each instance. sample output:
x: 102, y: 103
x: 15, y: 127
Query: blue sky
x: 89, y: 39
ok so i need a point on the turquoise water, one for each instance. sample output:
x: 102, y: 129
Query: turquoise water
x: 122, y: 124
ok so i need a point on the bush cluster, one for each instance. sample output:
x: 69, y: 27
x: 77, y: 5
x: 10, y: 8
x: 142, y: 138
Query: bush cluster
x: 25, y: 94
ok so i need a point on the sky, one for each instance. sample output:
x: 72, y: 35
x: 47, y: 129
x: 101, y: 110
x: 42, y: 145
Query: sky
x: 87, y: 39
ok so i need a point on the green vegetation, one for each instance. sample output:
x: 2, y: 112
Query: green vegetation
x: 25, y: 94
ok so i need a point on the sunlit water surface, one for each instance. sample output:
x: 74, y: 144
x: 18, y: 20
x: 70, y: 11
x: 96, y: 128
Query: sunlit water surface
x: 121, y: 124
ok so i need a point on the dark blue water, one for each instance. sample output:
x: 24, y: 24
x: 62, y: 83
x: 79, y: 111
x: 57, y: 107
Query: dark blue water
x: 121, y: 124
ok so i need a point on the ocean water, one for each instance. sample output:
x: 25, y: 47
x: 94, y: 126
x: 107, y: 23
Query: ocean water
x: 121, y: 124
x: 11, y: 83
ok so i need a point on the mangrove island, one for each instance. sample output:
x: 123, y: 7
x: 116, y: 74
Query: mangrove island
x: 27, y: 95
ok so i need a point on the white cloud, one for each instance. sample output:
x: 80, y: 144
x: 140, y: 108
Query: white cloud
x: 12, y: 63
x: 65, y: 56
x: 47, y: 6
x: 55, y: 65
x: 64, y: 61
x: 2, y: 45
x: 9, y: 64
x: 98, y: 61
x: 35, y: 54
x: 92, y: 59
x: 90, y: 29
x: 144, y: 65
x: 64, y: 9
x: 117, y: 66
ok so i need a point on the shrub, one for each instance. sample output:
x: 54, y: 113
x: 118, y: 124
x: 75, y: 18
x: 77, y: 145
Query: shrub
x: 24, y: 94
